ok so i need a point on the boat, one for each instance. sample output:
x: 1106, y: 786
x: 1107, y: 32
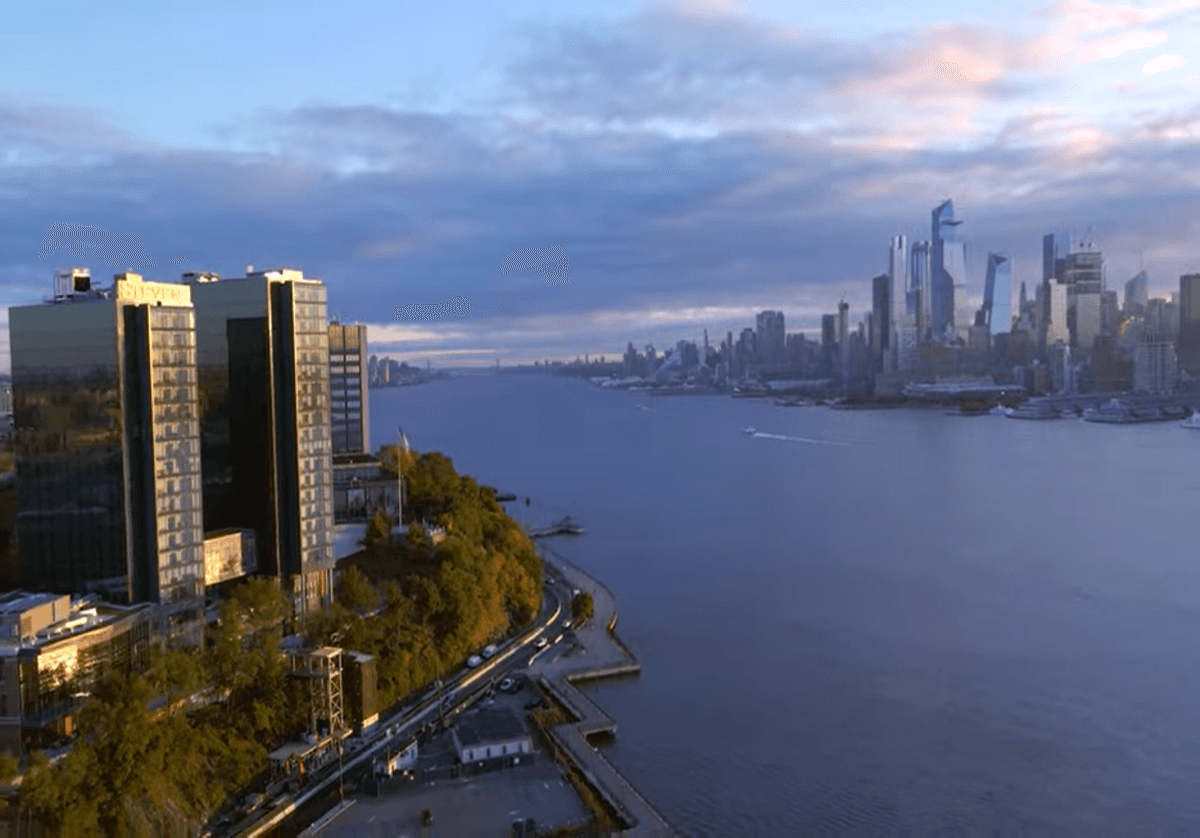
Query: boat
x: 794, y: 401
x: 999, y: 410
x: 1192, y: 422
x: 1115, y: 412
x: 1033, y: 411
x: 749, y: 430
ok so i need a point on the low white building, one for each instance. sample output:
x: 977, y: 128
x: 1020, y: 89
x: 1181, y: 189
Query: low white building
x: 394, y: 763
x: 489, y: 734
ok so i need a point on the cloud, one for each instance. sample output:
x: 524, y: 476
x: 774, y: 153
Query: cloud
x: 1161, y: 63
x: 695, y: 164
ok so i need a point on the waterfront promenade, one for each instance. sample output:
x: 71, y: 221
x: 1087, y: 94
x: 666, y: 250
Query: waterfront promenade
x: 606, y: 656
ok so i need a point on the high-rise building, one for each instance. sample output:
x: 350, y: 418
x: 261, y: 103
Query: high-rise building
x: 348, y: 390
x: 908, y: 334
x: 107, y: 445
x: 920, y: 279
x: 263, y: 363
x: 1155, y: 364
x: 948, y: 269
x: 1056, y: 327
x: 1053, y: 245
x: 963, y: 317
x: 1188, y: 345
x: 843, y: 334
x: 1110, y: 313
x: 1137, y: 294
x: 997, y: 294
x: 1083, y: 274
x: 770, y: 336
x: 1062, y: 368
x: 898, y: 266
x: 881, y: 320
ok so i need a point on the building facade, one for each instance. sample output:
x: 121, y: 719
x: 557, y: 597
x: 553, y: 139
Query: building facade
x: 107, y: 445
x: 948, y: 269
x: 52, y: 651
x: 263, y: 367
x: 349, y: 390
x: 1188, y: 345
x: 997, y: 294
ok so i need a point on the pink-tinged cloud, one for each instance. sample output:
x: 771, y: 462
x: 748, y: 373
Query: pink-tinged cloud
x: 1163, y: 62
x: 1116, y: 46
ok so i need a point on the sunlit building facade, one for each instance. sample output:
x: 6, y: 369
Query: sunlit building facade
x: 263, y: 365
x: 348, y: 389
x: 107, y: 445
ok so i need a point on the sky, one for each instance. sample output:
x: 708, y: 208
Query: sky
x: 692, y: 162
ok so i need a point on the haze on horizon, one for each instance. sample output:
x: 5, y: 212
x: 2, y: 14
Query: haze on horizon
x: 695, y: 161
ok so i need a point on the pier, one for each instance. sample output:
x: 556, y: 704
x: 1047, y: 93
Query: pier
x: 606, y: 657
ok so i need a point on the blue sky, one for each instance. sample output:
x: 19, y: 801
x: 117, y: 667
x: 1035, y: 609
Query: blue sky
x: 695, y: 161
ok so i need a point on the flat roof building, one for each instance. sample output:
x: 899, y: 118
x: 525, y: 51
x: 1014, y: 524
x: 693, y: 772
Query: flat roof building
x: 262, y: 353
x: 107, y: 444
x: 52, y: 650
x: 489, y: 734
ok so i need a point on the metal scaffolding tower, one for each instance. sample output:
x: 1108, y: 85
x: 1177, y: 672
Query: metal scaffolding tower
x: 322, y: 670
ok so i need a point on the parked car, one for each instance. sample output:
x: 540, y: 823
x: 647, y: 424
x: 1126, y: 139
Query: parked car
x: 489, y: 651
x: 542, y: 643
x: 507, y: 685
x: 474, y: 661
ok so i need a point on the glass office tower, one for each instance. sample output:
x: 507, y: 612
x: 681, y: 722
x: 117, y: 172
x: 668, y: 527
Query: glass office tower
x: 107, y: 445
x: 997, y: 294
x: 948, y: 268
x: 348, y: 389
x: 263, y: 365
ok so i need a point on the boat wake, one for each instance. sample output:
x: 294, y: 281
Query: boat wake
x: 799, y: 439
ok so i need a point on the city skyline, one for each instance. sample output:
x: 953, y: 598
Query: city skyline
x: 677, y: 208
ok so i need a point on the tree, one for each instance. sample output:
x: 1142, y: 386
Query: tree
x: 379, y: 530
x: 582, y: 607
x: 356, y: 592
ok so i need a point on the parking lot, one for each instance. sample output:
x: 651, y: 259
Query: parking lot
x: 484, y: 805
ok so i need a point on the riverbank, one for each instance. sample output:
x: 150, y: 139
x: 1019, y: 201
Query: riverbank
x: 605, y: 657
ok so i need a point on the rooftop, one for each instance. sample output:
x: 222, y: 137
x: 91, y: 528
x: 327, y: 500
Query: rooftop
x: 489, y: 726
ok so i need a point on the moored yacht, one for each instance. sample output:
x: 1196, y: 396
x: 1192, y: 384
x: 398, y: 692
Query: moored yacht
x: 1192, y: 422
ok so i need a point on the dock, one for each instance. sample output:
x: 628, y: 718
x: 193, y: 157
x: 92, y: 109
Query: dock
x: 564, y: 527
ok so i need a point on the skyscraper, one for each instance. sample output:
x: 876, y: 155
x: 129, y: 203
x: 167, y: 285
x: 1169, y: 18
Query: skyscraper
x: 898, y: 265
x: 770, y: 336
x: 1052, y: 245
x: 263, y: 364
x: 997, y: 294
x: 948, y: 268
x: 348, y: 392
x: 107, y: 444
x: 1188, y: 345
x: 881, y: 319
x: 1083, y: 274
x: 921, y: 281
x: 843, y: 335
x: 1136, y: 295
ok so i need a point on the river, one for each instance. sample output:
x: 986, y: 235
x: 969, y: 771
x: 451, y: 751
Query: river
x: 941, y: 625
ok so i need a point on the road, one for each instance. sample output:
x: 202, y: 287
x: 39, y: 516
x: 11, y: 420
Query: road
x: 290, y: 815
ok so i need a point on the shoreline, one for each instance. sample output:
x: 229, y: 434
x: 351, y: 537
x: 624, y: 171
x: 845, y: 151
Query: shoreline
x: 607, y: 657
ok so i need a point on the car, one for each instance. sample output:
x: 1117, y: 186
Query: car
x: 542, y: 643
x: 506, y: 685
x: 474, y: 661
x: 489, y: 651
